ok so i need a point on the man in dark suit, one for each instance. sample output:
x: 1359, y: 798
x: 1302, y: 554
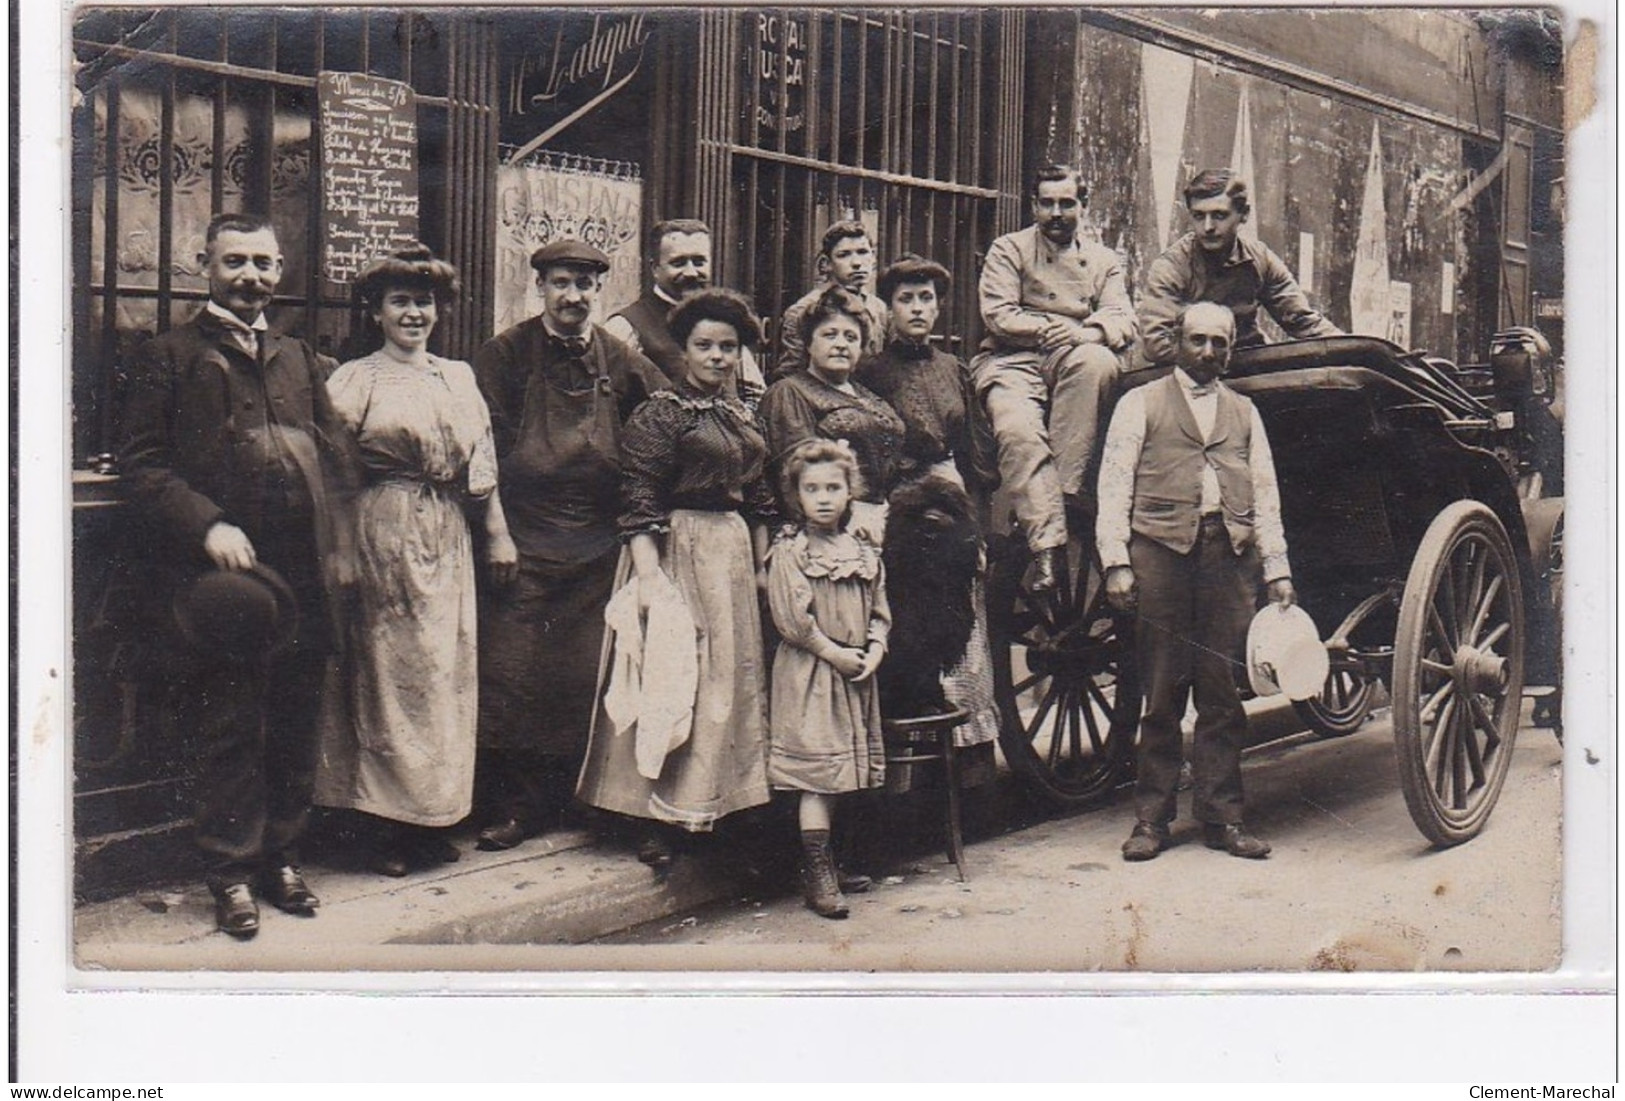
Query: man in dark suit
x: 1189, y: 525
x: 234, y: 459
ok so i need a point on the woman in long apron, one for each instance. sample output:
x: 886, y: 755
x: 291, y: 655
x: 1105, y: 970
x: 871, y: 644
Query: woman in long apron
x: 696, y: 509
x: 402, y: 749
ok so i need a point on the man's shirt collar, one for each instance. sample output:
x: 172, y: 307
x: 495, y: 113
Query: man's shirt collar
x: 1192, y: 387
x: 235, y: 323
x: 663, y: 296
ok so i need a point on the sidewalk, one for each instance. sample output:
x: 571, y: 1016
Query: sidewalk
x: 561, y: 888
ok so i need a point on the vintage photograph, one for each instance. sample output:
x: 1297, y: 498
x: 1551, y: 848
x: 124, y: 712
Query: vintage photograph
x: 956, y: 490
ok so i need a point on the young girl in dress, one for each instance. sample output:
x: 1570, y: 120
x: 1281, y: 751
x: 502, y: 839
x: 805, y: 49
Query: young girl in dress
x: 826, y: 590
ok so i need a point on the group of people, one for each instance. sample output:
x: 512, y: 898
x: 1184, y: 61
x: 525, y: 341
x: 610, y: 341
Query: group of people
x: 421, y: 589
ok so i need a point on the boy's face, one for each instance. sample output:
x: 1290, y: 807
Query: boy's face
x: 852, y: 263
x: 1216, y: 222
x: 243, y: 270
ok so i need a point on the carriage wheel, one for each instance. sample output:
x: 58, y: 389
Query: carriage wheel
x: 1458, y: 672
x: 1063, y: 671
x: 1345, y: 699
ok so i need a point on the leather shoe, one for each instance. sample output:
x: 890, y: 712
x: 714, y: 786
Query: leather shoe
x: 503, y: 835
x: 1146, y: 841
x: 1234, y: 839
x: 391, y: 861
x: 285, y: 889
x: 431, y: 849
x: 654, y: 852
x: 235, y: 911
x: 1046, y: 570
x: 851, y: 883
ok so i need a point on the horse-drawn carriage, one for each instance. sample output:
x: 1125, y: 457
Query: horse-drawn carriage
x: 1422, y: 546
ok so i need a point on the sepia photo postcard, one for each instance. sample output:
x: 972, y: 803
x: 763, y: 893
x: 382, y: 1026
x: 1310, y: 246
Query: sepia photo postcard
x: 1002, y: 500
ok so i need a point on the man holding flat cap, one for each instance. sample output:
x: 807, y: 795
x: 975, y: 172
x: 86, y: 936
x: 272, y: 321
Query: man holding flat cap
x: 559, y: 388
x: 234, y: 466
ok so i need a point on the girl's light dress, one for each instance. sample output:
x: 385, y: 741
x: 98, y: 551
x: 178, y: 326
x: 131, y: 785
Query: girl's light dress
x: 826, y: 592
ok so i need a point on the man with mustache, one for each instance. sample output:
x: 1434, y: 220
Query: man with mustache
x: 559, y: 389
x: 846, y: 258
x: 1214, y: 263
x: 233, y: 462
x: 680, y: 264
x: 1058, y: 320
x: 1189, y: 526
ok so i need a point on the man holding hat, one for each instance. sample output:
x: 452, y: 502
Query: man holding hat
x: 1189, y: 524
x: 234, y: 462
x: 559, y: 389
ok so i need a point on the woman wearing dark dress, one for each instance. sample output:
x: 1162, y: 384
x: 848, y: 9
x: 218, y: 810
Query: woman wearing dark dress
x: 929, y: 389
x: 825, y: 400
x: 696, y: 512
x: 946, y: 436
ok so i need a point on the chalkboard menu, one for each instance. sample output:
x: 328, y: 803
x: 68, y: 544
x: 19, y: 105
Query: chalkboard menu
x: 369, y: 151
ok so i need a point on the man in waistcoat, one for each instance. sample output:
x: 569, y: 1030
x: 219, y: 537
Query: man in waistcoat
x: 234, y: 462
x: 1058, y: 321
x: 1214, y: 263
x: 1189, y: 525
x: 680, y: 265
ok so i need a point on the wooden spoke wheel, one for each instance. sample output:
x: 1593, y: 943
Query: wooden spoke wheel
x: 1345, y: 700
x: 1458, y: 672
x: 1063, y: 672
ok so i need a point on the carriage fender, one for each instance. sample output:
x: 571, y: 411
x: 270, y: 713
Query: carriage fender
x: 1540, y: 519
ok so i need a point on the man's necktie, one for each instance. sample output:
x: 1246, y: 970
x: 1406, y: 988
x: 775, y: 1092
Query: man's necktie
x: 573, y: 346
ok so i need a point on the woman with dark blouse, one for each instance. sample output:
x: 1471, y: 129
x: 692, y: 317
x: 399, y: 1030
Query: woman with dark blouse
x: 696, y: 512
x: 946, y: 436
x: 927, y: 387
x: 825, y: 400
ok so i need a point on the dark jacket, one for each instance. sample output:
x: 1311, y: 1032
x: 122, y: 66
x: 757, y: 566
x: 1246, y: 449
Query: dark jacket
x: 211, y: 435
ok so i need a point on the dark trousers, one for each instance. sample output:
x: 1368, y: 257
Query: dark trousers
x: 254, y: 725
x: 527, y: 785
x: 1194, y: 610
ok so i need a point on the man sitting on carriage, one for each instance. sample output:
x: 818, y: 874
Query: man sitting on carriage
x: 1215, y: 263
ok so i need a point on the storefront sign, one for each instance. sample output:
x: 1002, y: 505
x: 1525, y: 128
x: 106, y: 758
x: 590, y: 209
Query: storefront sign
x: 369, y: 151
x: 780, y: 66
x: 546, y: 201
x: 587, y: 64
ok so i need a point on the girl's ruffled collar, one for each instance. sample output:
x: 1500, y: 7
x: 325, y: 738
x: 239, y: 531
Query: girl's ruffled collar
x: 836, y: 557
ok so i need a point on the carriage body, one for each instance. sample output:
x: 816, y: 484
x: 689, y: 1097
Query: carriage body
x: 1416, y: 546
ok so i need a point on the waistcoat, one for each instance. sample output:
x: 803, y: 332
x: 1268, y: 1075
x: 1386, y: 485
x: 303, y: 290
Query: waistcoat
x: 648, y: 316
x: 1168, y: 479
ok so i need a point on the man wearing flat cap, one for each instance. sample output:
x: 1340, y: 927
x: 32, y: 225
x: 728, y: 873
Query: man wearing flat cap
x: 559, y: 388
x: 234, y: 465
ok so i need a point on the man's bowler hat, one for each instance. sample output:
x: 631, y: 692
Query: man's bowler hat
x: 237, y: 614
x: 570, y: 253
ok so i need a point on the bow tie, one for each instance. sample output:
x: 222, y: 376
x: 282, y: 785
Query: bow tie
x: 907, y: 349
x: 1202, y: 389
x: 573, y: 346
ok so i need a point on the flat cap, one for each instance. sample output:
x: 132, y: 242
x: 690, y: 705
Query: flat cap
x: 570, y: 252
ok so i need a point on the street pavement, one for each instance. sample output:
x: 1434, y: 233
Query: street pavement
x: 1350, y: 886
